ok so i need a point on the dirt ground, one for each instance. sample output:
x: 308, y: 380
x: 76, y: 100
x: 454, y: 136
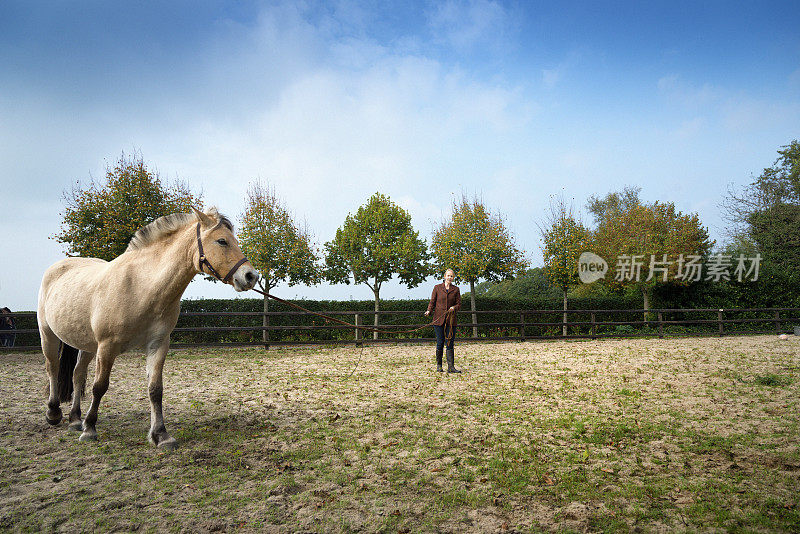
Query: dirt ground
x: 611, y: 435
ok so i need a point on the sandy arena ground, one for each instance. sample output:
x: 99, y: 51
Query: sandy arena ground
x: 651, y: 434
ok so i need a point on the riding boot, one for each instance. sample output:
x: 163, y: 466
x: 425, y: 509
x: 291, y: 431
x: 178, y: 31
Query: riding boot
x: 439, y: 360
x: 451, y: 362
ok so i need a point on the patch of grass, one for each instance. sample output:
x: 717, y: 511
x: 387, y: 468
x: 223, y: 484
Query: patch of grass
x: 625, y: 392
x: 614, y: 432
x: 772, y: 380
x: 706, y: 443
x: 607, y: 522
x: 457, y: 497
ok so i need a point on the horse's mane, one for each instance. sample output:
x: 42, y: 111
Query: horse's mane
x: 168, y: 224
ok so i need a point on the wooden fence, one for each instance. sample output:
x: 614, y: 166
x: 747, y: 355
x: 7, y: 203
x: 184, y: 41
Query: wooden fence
x: 199, y: 329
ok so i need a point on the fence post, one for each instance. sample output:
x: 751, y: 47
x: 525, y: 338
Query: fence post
x: 358, y: 331
x: 594, y: 326
x: 660, y: 324
x: 265, y: 324
x: 777, y: 323
x: 522, y: 327
x: 719, y: 321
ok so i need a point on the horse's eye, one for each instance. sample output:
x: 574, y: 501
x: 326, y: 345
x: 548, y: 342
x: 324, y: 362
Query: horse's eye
x: 222, y: 242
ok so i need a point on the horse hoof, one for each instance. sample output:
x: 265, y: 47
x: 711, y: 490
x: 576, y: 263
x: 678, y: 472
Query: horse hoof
x: 76, y: 426
x: 88, y: 436
x: 168, y: 445
x: 54, y: 419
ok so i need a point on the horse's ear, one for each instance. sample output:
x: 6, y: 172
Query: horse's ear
x: 202, y: 218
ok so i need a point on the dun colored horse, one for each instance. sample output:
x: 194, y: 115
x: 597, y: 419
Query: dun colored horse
x: 106, y: 308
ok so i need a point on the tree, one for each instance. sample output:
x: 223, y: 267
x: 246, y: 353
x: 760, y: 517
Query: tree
x: 375, y: 244
x: 281, y: 250
x: 776, y: 234
x: 564, y: 239
x: 766, y: 215
x: 476, y: 245
x: 636, y: 234
x: 100, y: 220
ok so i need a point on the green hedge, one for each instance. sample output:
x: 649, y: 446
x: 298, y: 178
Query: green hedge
x: 411, y: 317
x: 625, y: 309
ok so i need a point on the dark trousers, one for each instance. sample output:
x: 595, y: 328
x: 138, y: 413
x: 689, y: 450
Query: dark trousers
x: 440, y: 339
x: 7, y: 335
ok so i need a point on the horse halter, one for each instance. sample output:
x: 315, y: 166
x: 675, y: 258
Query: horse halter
x: 204, y: 261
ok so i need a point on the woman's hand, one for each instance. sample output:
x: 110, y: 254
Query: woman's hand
x: 427, y: 313
x: 452, y: 308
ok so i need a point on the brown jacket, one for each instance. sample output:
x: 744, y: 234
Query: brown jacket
x: 442, y: 300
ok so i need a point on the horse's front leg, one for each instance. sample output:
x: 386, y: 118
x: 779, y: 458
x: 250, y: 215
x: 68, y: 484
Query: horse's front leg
x: 106, y: 354
x: 78, y: 385
x: 155, y: 365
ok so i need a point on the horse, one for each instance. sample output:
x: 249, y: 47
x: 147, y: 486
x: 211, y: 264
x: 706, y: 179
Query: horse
x: 132, y: 302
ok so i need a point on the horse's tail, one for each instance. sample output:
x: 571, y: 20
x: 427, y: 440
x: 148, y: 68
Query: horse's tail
x: 67, y: 359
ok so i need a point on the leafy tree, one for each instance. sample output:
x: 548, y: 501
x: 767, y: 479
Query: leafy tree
x: 281, y: 250
x: 766, y: 215
x: 776, y: 234
x: 776, y: 286
x: 375, y: 244
x: 629, y: 229
x: 564, y: 239
x: 614, y: 203
x: 476, y: 245
x: 100, y: 220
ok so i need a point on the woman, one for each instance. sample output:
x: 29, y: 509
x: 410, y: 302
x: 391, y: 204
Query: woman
x: 445, y: 302
x: 7, y: 323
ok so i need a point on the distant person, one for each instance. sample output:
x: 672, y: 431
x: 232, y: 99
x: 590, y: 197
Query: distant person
x: 445, y: 302
x: 7, y: 324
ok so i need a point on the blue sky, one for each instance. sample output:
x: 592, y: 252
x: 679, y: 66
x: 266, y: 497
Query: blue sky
x: 332, y: 101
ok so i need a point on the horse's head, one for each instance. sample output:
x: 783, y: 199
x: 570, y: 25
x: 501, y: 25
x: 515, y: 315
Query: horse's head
x: 218, y: 252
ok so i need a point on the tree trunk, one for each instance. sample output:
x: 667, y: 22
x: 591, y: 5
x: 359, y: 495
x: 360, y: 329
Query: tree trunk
x: 265, y: 322
x: 564, y: 326
x: 377, y: 309
x: 472, y: 302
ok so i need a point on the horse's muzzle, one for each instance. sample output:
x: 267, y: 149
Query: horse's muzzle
x: 245, y: 278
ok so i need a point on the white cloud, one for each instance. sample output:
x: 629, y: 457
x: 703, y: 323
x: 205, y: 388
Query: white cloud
x: 686, y: 94
x: 794, y: 80
x: 744, y: 114
x: 551, y: 77
x: 690, y: 129
x: 330, y: 134
x: 466, y: 24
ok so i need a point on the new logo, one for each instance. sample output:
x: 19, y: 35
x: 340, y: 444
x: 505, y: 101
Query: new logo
x: 591, y: 267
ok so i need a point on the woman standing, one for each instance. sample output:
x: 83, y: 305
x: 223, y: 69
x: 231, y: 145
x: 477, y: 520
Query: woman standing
x: 7, y: 323
x: 445, y: 302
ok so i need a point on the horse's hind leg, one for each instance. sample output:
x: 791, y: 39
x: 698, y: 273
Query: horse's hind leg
x: 50, y: 345
x: 158, y: 434
x: 106, y: 354
x: 78, y: 385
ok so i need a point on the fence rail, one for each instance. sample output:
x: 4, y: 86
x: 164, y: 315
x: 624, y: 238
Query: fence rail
x: 198, y: 329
